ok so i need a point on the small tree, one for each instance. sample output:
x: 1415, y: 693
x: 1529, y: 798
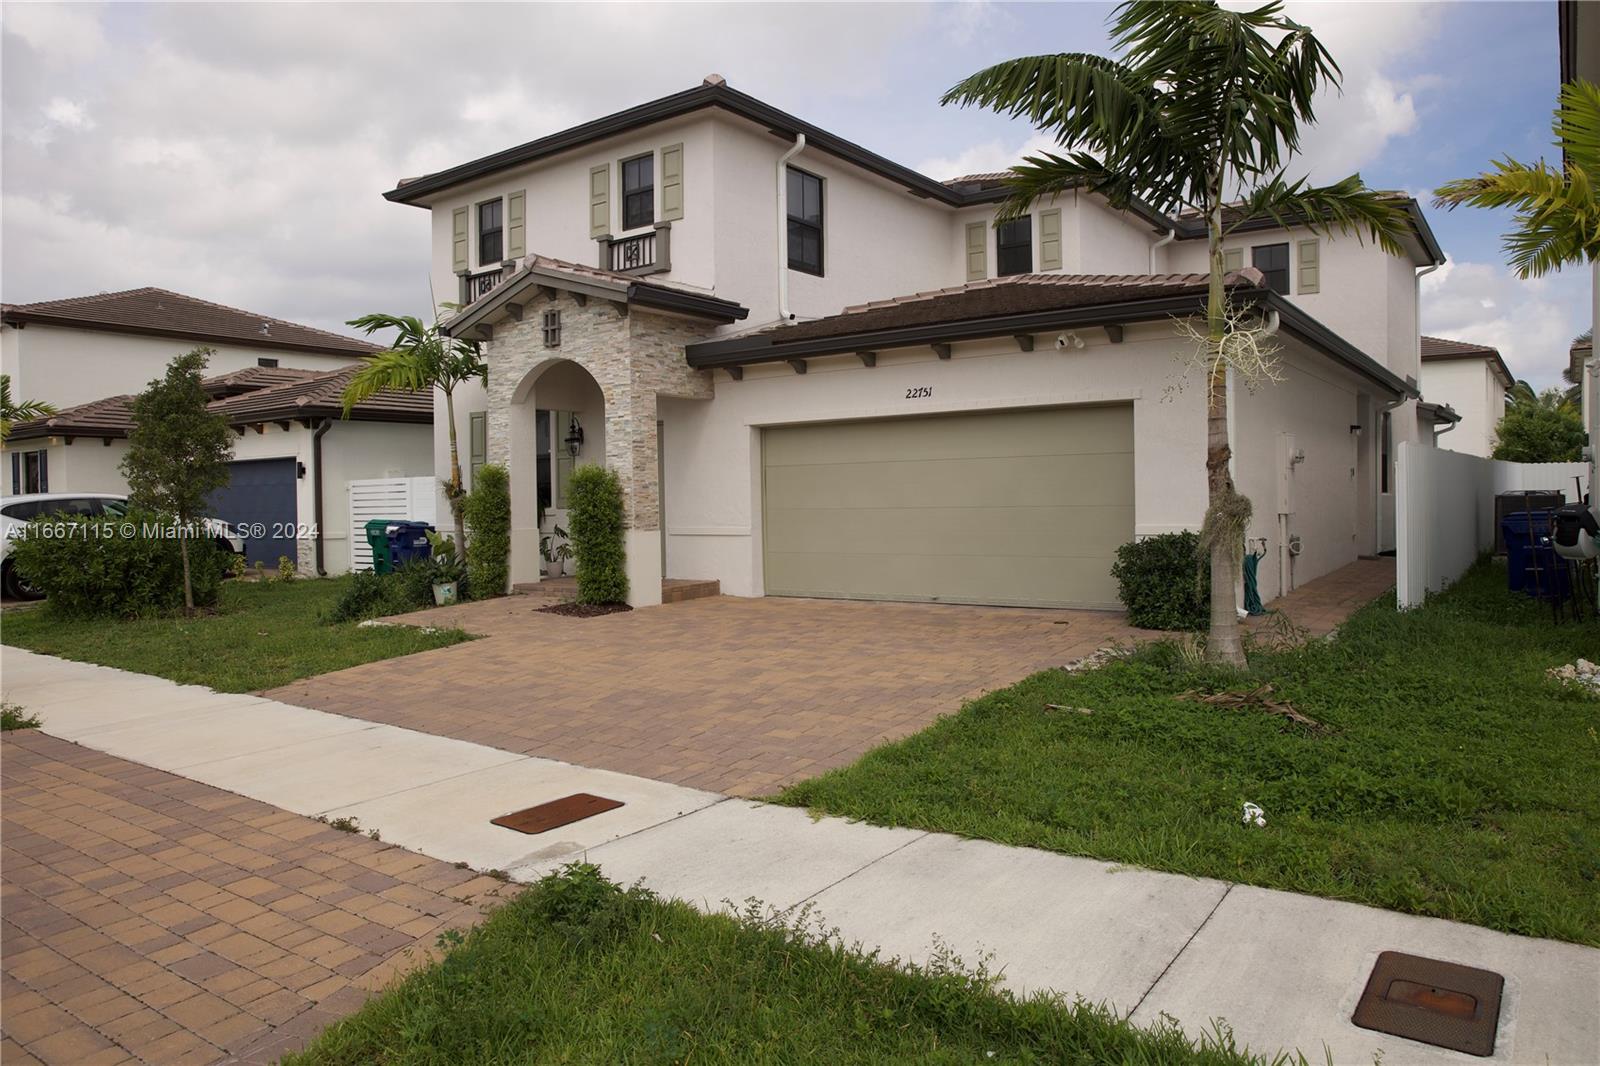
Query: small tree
x: 1203, y: 104
x: 12, y: 411
x: 178, y: 451
x: 421, y: 359
x: 1544, y: 429
x: 594, y: 501
x: 488, y: 513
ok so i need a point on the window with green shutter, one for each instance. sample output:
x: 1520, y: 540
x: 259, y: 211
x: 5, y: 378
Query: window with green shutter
x: 672, y: 183
x: 458, y: 239
x: 977, y: 251
x: 517, y: 225
x: 1308, y: 277
x: 1050, y: 239
x: 600, y: 200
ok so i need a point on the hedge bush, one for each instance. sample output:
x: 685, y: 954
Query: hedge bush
x: 488, y: 515
x: 594, y: 518
x: 90, y: 568
x: 1163, y: 582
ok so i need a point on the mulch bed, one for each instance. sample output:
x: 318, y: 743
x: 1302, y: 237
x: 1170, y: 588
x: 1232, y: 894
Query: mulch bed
x: 584, y: 610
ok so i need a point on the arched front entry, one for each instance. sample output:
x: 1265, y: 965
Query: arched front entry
x: 557, y: 422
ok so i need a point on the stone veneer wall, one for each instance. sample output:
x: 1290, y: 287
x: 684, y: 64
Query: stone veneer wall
x: 634, y: 357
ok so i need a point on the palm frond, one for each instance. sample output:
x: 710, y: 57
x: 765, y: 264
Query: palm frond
x: 405, y: 371
x: 1347, y: 206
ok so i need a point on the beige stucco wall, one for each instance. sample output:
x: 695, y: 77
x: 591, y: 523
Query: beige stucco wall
x: 71, y: 366
x: 1469, y: 386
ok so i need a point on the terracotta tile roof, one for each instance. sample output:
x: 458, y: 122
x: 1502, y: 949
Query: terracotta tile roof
x: 320, y: 395
x: 258, y: 394
x: 1017, y: 294
x: 1441, y: 348
x: 158, y: 312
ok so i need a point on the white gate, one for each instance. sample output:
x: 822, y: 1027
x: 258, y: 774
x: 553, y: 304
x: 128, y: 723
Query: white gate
x: 413, y: 499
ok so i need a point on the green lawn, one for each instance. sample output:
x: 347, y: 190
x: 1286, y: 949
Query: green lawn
x: 265, y: 635
x: 1453, y: 779
x: 577, y: 970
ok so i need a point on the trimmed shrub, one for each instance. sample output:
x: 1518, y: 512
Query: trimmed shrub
x: 594, y: 502
x: 90, y: 567
x: 1164, y: 582
x: 488, y: 516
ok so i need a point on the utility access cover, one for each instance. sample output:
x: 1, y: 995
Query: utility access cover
x: 1439, y: 1003
x: 557, y: 813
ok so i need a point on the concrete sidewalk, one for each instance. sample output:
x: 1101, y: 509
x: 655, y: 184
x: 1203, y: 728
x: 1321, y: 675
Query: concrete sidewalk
x: 1284, y: 970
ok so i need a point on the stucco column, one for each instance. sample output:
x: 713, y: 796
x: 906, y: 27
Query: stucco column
x: 522, y: 470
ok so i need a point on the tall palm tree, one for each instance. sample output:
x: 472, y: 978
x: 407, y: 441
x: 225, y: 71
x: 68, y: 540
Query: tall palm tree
x: 421, y: 358
x: 1203, y: 104
x: 1557, y: 213
x: 12, y: 411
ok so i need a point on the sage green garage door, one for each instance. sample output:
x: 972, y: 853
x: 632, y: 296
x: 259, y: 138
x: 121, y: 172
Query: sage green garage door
x: 1021, y: 507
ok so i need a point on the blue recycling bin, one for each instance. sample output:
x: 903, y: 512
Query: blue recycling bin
x: 1532, y: 565
x: 408, y: 542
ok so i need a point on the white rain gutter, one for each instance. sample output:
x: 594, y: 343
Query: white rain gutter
x: 1171, y: 236
x: 783, y: 226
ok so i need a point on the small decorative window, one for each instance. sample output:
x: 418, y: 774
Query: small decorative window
x: 552, y: 329
x: 264, y: 361
x: 805, y: 222
x: 638, y: 191
x: 1013, y: 243
x: 490, y: 233
x: 1273, y: 262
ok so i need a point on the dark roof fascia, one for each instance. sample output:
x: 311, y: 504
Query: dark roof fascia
x: 686, y: 303
x: 1439, y: 412
x: 42, y: 430
x: 22, y: 318
x: 763, y: 348
x: 669, y: 107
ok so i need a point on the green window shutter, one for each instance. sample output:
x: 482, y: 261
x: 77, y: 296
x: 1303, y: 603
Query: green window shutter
x: 1232, y: 259
x: 1310, y: 266
x: 600, y: 200
x: 517, y: 224
x: 458, y: 239
x: 478, y: 446
x: 977, y: 251
x: 672, y: 183
x: 1050, y: 239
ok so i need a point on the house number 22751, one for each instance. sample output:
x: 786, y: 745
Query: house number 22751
x: 919, y: 392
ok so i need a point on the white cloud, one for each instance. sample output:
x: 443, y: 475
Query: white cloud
x: 68, y: 113
x: 1531, y: 322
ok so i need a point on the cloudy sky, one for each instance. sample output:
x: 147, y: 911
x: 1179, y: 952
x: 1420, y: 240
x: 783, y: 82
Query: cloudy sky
x: 238, y: 152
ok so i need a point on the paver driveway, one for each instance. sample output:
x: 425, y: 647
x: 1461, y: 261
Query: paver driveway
x: 729, y: 694
x: 735, y: 695
x: 151, y: 918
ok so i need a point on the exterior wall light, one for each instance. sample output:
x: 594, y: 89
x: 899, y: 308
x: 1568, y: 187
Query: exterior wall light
x: 574, y: 438
x: 1356, y: 430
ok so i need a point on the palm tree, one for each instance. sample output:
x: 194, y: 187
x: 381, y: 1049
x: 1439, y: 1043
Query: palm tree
x: 18, y: 410
x: 421, y: 358
x: 1203, y: 104
x: 1557, y: 214
x: 1572, y: 373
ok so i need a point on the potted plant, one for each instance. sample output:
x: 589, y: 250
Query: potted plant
x: 556, y: 551
x: 447, y: 569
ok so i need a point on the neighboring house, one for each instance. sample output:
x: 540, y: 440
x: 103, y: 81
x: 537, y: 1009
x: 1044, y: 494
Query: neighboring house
x: 1471, y: 379
x: 74, y: 351
x: 295, y: 457
x: 820, y: 373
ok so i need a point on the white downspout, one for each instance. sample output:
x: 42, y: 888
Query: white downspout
x: 783, y: 225
x: 1171, y: 236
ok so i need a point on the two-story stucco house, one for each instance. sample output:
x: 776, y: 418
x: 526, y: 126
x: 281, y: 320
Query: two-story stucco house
x: 821, y: 373
x: 1472, y: 380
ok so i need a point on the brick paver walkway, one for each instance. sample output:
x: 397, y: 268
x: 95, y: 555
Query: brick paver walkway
x: 735, y: 695
x: 151, y: 918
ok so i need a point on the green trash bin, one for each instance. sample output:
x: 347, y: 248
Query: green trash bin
x: 378, y: 538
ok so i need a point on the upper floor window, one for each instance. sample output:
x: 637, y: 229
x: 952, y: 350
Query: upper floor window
x: 805, y: 222
x: 1013, y: 243
x: 491, y: 233
x: 266, y: 361
x: 638, y: 191
x: 1273, y: 262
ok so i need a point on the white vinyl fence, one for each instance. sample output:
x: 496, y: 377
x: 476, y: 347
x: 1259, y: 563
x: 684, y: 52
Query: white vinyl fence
x: 1444, y: 510
x: 414, y: 499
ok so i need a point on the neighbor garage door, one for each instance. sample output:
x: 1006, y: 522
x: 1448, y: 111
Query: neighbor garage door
x: 259, y: 500
x: 1020, y: 507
